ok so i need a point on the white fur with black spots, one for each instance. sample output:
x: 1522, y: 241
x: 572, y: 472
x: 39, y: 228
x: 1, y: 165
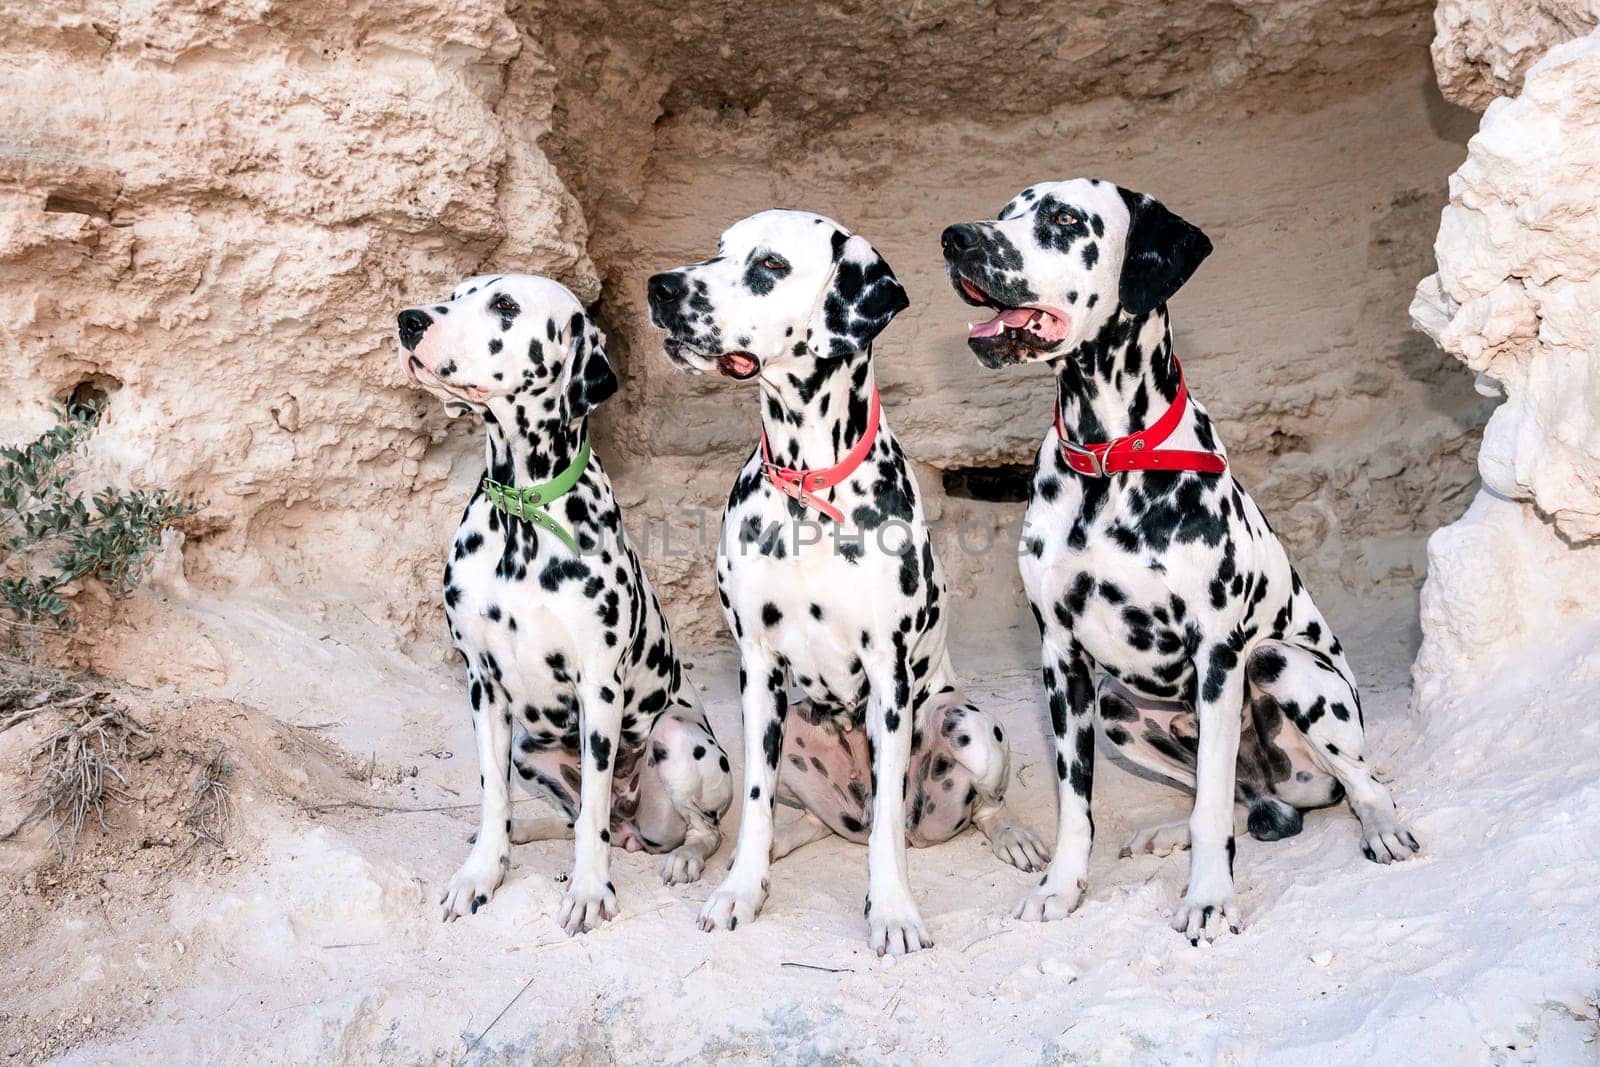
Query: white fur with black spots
x: 1227, y: 678
x: 852, y: 613
x: 572, y: 677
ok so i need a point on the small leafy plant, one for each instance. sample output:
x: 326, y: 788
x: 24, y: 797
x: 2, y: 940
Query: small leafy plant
x: 52, y: 536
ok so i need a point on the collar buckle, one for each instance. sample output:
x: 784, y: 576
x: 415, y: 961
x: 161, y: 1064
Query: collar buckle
x: 1097, y: 461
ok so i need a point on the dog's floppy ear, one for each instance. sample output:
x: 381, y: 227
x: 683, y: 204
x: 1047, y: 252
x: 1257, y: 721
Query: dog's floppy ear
x: 1163, y: 251
x: 863, y: 296
x: 590, y: 379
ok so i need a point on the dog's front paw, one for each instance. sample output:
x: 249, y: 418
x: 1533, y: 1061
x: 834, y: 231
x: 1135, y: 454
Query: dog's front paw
x: 895, y: 928
x: 731, y: 904
x: 1053, y: 899
x: 471, y: 887
x: 588, y: 903
x: 682, y: 865
x: 1388, y: 842
x: 1207, y: 913
x: 1020, y: 848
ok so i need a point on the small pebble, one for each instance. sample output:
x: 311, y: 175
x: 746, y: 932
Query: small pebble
x: 1059, y: 969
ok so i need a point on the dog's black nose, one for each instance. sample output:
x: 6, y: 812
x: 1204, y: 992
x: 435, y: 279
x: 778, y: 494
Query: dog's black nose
x: 958, y: 239
x: 667, y: 287
x: 413, y: 324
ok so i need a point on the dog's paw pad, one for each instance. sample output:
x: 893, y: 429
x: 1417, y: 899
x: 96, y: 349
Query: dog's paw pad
x: 1207, y: 916
x: 1160, y: 840
x: 1021, y: 848
x: 682, y: 865
x: 1390, y: 843
x: 897, y: 931
x: 586, y: 905
x: 471, y: 887
x: 730, y: 905
x: 1049, y: 903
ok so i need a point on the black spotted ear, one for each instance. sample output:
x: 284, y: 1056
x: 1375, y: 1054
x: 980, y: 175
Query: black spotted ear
x: 863, y: 296
x: 590, y: 379
x: 1163, y: 252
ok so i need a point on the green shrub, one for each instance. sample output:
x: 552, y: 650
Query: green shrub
x: 52, y: 536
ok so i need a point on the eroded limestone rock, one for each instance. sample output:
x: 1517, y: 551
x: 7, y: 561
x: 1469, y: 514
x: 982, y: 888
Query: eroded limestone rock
x: 1517, y: 299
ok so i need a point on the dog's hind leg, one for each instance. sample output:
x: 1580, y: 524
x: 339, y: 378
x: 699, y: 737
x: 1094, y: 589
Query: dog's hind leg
x: 687, y: 788
x: 960, y: 776
x: 796, y: 834
x: 1315, y: 693
x: 1161, y: 736
x: 825, y: 771
x: 528, y: 831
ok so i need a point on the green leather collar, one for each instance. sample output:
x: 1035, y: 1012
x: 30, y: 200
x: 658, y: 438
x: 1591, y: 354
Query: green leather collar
x: 529, y: 504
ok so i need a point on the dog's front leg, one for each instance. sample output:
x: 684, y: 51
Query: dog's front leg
x: 895, y: 926
x: 1069, y: 688
x: 591, y: 899
x: 764, y: 696
x: 485, y: 868
x: 1209, y: 903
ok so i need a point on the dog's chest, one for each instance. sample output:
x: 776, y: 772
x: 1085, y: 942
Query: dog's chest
x: 830, y: 597
x: 542, y: 615
x: 1094, y: 577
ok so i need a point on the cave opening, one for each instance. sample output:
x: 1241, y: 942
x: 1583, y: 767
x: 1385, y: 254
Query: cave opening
x: 1315, y: 158
x: 1004, y: 483
x: 94, y: 391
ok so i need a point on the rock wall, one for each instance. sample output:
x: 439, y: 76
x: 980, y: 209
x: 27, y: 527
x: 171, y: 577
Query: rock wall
x: 208, y: 212
x: 1517, y: 299
x: 1482, y: 48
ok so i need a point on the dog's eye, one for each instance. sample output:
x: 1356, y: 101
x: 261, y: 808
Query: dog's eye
x: 773, y: 263
x: 1066, y: 218
x: 504, y: 305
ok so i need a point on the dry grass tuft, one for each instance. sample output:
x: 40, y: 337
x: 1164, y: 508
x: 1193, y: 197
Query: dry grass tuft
x: 74, y: 772
x: 208, y: 813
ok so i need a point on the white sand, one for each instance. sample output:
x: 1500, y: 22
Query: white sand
x: 324, y: 943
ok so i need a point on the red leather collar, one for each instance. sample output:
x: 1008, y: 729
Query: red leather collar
x: 1140, y: 451
x: 799, y: 484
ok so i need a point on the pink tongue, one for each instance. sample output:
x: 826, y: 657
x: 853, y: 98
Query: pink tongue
x: 1013, y: 317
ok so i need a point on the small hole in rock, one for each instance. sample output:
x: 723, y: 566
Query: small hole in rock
x: 94, y: 390
x: 75, y: 202
x: 1006, y: 483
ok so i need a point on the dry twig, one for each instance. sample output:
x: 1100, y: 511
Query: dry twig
x: 74, y: 771
x: 207, y: 815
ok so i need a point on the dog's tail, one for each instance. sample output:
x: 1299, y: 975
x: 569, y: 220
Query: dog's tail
x: 1272, y: 820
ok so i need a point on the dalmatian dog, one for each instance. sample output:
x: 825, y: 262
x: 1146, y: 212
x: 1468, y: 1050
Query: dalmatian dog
x: 828, y: 577
x: 1147, y: 564
x: 573, y: 680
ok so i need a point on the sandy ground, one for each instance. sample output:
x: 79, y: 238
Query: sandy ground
x: 317, y: 938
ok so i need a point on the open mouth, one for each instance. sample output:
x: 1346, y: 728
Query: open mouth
x: 1033, y: 324
x: 738, y: 365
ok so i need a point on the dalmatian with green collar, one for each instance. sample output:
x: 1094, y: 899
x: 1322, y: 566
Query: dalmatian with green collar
x: 572, y: 677
x: 828, y: 578
x: 1148, y: 564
